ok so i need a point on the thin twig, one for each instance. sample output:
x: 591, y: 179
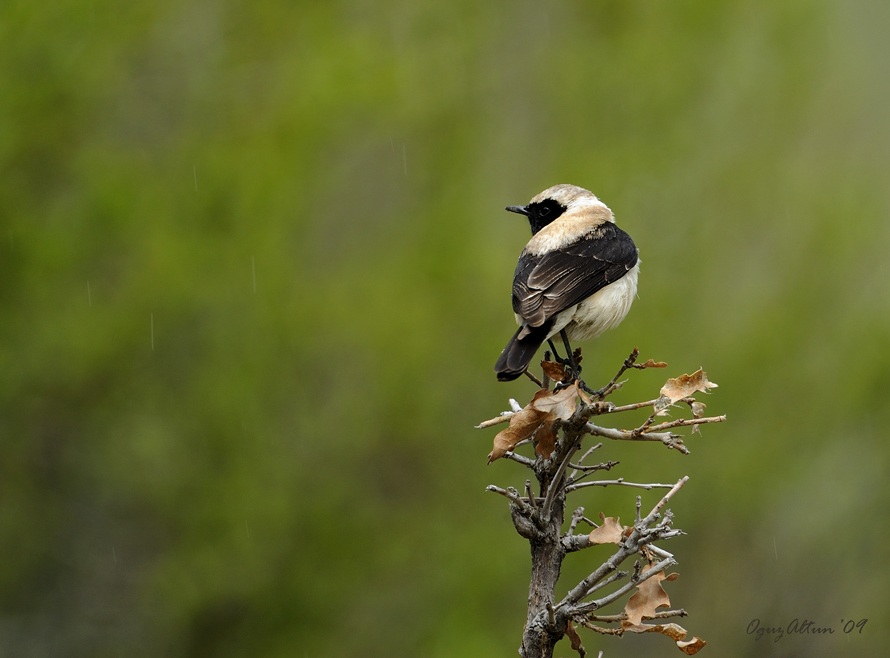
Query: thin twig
x: 658, y: 567
x: 586, y: 454
x: 599, y: 629
x: 545, y: 380
x: 534, y: 379
x: 497, y: 420
x: 577, y: 515
x: 589, y: 584
x: 627, y: 407
x: 620, y: 481
x: 530, y: 495
x: 592, y: 524
x: 613, y: 384
x: 664, y: 500
x: 590, y: 470
x: 670, y: 440
x: 602, y: 466
x: 618, y: 575
x: 682, y: 422
x: 611, y: 619
x: 659, y: 551
x: 556, y: 482
x: 511, y: 494
x: 525, y: 461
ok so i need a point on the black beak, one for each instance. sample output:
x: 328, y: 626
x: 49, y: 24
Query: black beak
x: 522, y: 210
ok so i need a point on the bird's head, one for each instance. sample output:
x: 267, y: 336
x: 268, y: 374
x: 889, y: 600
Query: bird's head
x: 553, y: 202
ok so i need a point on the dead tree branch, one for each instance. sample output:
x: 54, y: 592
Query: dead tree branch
x: 556, y: 423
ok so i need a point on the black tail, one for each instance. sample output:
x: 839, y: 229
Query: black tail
x: 520, y: 351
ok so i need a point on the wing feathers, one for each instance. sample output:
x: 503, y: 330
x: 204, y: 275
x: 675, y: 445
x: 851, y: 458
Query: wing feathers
x: 544, y: 285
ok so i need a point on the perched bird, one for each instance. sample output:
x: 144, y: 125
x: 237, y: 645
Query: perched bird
x: 576, y: 277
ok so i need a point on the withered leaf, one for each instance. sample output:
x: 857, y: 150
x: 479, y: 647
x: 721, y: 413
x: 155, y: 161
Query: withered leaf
x: 673, y: 631
x: 558, y: 406
x: 545, y: 408
x: 522, y: 425
x: 561, y: 404
x: 691, y: 647
x: 575, y: 639
x: 677, y: 388
x: 650, y: 596
x: 545, y: 439
x: 553, y: 370
x: 610, y: 532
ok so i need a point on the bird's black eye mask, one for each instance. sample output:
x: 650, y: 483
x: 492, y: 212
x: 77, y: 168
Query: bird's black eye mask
x: 542, y: 213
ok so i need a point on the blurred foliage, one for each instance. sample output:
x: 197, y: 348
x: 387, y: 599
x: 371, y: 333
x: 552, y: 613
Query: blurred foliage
x: 255, y: 273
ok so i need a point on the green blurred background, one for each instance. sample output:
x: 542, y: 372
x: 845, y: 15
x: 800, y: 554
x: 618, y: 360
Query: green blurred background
x: 256, y: 272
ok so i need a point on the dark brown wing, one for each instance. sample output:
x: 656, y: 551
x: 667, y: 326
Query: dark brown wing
x: 547, y: 284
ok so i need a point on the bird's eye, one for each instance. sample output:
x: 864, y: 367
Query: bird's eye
x: 543, y: 211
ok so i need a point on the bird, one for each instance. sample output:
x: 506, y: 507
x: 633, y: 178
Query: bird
x: 576, y: 277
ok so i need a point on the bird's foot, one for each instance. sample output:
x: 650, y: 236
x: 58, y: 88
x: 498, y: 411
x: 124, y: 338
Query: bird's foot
x: 592, y: 392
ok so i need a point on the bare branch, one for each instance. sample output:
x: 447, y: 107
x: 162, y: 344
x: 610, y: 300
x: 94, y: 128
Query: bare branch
x: 540, y: 518
x: 618, y: 575
x: 611, y: 619
x: 509, y: 493
x: 621, y: 481
x: 590, y: 468
x: 659, y: 551
x: 571, y: 445
x: 673, y: 441
x: 530, y: 495
x: 577, y: 515
x: 573, y: 543
x: 627, y: 365
x: 588, y: 585
x: 587, y: 453
x: 525, y: 461
x: 682, y: 422
x: 535, y: 379
x: 664, y: 500
x: 658, y: 567
x: 599, y: 629
x: 612, y: 409
x: 497, y: 420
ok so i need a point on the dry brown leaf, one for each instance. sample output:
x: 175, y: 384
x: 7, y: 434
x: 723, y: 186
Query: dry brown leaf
x: 673, y: 631
x: 545, y: 439
x: 677, y: 388
x: 574, y: 638
x: 553, y: 370
x: 561, y: 404
x: 537, y: 416
x: 522, y: 425
x: 691, y: 647
x: 610, y: 532
x: 650, y: 596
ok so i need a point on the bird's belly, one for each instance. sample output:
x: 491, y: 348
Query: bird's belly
x: 600, y: 312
